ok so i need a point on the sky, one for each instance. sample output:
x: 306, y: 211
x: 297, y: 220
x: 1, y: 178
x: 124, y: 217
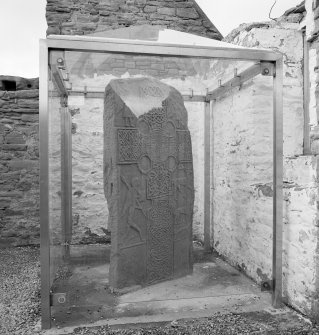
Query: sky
x: 22, y: 24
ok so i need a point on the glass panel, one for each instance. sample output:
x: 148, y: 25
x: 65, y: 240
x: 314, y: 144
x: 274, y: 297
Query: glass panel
x: 55, y: 166
x: 242, y: 168
x: 138, y: 176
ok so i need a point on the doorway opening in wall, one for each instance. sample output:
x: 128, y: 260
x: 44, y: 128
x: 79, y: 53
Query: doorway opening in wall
x: 127, y: 170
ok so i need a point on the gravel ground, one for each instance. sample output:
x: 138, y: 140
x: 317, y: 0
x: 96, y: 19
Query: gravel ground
x: 20, y: 309
x: 19, y: 290
x: 227, y: 324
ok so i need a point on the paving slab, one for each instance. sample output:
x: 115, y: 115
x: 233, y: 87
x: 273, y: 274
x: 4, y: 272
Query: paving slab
x: 213, y: 287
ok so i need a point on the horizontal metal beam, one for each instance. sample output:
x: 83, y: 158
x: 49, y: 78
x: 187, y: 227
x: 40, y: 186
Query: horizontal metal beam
x: 100, y: 95
x: 238, y: 80
x: 96, y: 44
x: 194, y: 98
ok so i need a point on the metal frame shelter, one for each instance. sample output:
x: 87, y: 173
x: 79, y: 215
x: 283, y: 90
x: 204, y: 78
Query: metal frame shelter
x: 267, y: 62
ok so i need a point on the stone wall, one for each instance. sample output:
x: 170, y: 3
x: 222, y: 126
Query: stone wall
x: 19, y: 161
x: 242, y: 168
x: 311, y: 23
x: 88, y: 65
x: 82, y: 17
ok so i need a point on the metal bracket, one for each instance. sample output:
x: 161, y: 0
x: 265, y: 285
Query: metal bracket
x: 267, y: 285
x: 236, y: 81
x: 58, y: 299
x: 64, y: 101
x: 61, y: 79
x: 267, y: 69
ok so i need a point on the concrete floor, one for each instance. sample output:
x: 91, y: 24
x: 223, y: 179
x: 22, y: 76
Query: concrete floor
x: 213, y: 287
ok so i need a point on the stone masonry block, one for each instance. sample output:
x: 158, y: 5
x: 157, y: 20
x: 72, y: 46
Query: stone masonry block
x: 166, y: 11
x: 30, y: 118
x: 188, y: 13
x: 14, y: 147
x: 23, y: 164
x: 150, y: 9
x: 28, y: 103
x: 15, y: 138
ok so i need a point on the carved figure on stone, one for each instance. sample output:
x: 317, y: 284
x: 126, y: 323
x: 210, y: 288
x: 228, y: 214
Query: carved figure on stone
x: 132, y: 204
x: 148, y: 182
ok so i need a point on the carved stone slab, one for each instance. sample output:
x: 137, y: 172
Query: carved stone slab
x: 148, y: 182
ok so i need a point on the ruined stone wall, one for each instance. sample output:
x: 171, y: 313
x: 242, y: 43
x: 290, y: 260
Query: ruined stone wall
x: 242, y: 168
x: 82, y: 17
x: 311, y: 23
x: 19, y: 161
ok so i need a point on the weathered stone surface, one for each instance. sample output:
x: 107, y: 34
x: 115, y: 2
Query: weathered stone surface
x: 78, y: 19
x: 19, y: 155
x: 15, y: 138
x: 150, y: 9
x: 23, y: 164
x: 148, y: 179
x: 243, y: 178
x: 188, y: 13
x: 19, y: 83
x: 30, y: 118
x: 166, y: 11
x: 22, y: 110
x: 15, y: 147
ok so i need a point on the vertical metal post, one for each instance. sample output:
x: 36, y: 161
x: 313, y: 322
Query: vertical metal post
x: 207, y: 227
x: 66, y: 180
x: 44, y: 188
x: 306, y: 96
x: 212, y: 187
x: 278, y: 184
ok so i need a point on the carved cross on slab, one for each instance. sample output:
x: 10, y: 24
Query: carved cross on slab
x: 148, y: 182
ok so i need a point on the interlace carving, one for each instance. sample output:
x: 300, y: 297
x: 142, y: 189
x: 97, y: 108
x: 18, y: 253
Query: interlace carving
x: 129, y: 145
x: 160, y: 235
x: 184, y: 146
x: 155, y: 118
x: 159, y: 182
x: 152, y: 91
